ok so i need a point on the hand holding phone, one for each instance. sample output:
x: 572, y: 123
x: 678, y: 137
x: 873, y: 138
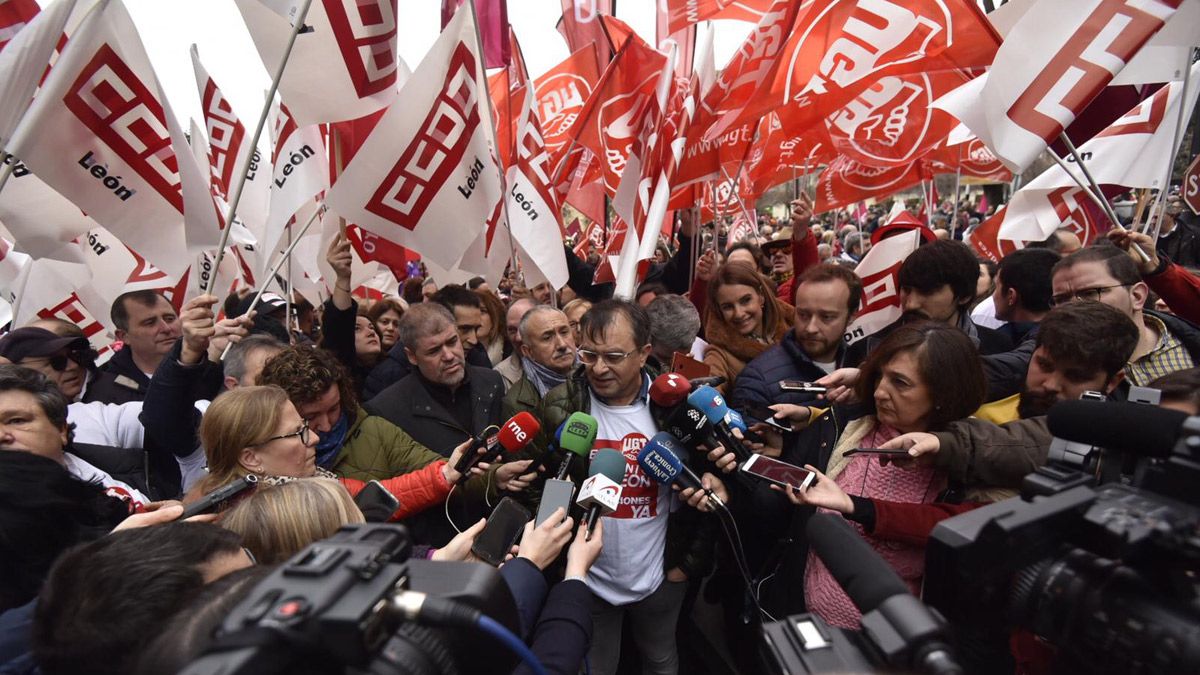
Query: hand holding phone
x: 501, y: 532
x: 800, y: 385
x: 767, y: 416
x: 876, y: 451
x: 778, y: 473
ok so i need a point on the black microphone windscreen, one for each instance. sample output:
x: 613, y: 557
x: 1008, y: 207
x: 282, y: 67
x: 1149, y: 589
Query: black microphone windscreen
x: 1136, y: 428
x: 859, y: 570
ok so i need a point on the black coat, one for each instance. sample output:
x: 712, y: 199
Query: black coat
x: 409, y: 405
x: 1182, y: 246
x: 396, y: 367
x: 118, y: 381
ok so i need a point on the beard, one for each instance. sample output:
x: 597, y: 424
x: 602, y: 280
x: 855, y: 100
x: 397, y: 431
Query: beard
x: 1033, y: 404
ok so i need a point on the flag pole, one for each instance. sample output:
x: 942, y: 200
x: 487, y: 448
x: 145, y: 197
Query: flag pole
x: 957, y: 187
x: 287, y: 254
x: 1097, y: 196
x: 236, y: 196
x: 1177, y: 138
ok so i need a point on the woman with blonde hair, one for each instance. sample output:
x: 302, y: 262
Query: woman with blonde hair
x: 744, y: 318
x: 575, y: 310
x: 256, y: 430
x: 277, y: 522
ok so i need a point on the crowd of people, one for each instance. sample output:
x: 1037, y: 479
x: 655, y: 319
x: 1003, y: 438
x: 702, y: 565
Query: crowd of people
x: 99, y: 575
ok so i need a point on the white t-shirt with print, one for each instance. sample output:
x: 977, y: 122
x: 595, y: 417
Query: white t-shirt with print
x: 630, y: 566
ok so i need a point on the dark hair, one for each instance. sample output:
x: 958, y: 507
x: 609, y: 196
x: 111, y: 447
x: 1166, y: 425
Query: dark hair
x: 947, y: 361
x: 827, y: 272
x: 594, y: 324
x: 49, y: 397
x: 494, y: 308
x: 120, y: 311
x: 939, y: 263
x: 1116, y: 261
x: 475, y: 282
x: 103, y: 601
x: 381, y: 307
x: 411, y: 291
x: 760, y: 258
x: 1029, y: 271
x: 191, y: 631
x: 456, y: 296
x: 232, y: 301
x: 44, y: 510
x: 1090, y: 334
x: 306, y: 372
x: 1182, y: 386
x: 656, y: 287
x: 740, y: 274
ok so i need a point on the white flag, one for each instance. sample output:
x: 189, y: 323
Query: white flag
x: 42, y: 221
x: 427, y: 178
x: 101, y: 133
x: 1129, y: 153
x: 879, y: 271
x: 1055, y: 60
x: 23, y: 63
x: 300, y: 172
x: 345, y: 67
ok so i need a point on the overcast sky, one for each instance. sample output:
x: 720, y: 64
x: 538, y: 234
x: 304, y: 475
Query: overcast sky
x: 169, y: 27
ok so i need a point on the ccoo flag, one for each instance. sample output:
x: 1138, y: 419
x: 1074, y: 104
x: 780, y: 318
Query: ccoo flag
x: 427, y: 177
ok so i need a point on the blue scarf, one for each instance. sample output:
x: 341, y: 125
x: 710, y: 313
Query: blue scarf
x: 331, y: 441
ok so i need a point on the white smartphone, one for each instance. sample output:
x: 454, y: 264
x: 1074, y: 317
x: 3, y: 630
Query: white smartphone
x: 777, y: 472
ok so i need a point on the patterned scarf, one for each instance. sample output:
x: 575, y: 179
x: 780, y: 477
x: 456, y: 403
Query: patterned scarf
x: 280, y: 480
x: 542, y: 377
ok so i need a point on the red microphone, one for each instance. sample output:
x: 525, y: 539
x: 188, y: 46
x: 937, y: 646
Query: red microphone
x: 515, y: 434
x: 669, y: 390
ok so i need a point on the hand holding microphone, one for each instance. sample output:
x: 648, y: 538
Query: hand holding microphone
x: 600, y: 494
x: 660, y: 459
x: 514, y: 435
x: 712, y: 404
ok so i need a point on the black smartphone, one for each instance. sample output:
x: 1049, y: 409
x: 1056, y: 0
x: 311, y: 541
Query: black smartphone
x: 767, y: 417
x: 556, y: 494
x: 501, y: 532
x: 217, y: 499
x: 376, y: 502
x: 800, y: 385
x: 876, y: 451
x: 780, y: 473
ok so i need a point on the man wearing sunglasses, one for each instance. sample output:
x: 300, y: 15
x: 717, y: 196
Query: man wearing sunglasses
x: 1166, y: 343
x: 63, y: 360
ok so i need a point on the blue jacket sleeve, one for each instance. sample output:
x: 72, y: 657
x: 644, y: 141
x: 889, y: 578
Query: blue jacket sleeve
x: 564, y: 631
x: 169, y: 412
x: 528, y: 588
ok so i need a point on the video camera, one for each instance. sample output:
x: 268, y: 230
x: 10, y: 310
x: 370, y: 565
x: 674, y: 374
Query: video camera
x: 356, y: 603
x: 1099, y: 557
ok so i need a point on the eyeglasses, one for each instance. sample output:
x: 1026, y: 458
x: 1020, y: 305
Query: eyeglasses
x: 590, y: 357
x: 82, y: 357
x: 1084, y: 294
x: 304, y: 433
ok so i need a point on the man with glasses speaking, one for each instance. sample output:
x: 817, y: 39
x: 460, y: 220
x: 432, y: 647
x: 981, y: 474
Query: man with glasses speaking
x: 1166, y: 343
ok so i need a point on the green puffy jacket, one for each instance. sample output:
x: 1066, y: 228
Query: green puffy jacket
x: 689, y: 532
x: 376, y: 449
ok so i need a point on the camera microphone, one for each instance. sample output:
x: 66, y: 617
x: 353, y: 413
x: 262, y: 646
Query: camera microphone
x: 1143, y: 430
x: 661, y: 460
x: 909, y: 634
x: 516, y: 433
x: 600, y: 494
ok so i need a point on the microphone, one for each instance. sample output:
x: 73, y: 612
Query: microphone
x: 516, y: 433
x: 600, y: 494
x: 1143, y: 430
x: 707, y: 400
x: 660, y: 459
x: 576, y: 436
x: 669, y: 389
x: 734, y: 419
x: 905, y: 630
x: 548, y: 454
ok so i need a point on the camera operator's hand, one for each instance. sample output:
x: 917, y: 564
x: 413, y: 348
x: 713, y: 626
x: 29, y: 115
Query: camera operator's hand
x: 584, y: 551
x: 841, y: 385
x: 511, y: 476
x: 823, y: 493
x: 459, y: 548
x: 698, y: 499
x: 540, y: 545
x: 921, y: 446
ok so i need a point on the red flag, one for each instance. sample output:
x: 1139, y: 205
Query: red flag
x: 561, y: 95
x: 493, y: 28
x: 846, y: 181
x: 682, y: 14
x: 580, y: 26
x: 14, y: 14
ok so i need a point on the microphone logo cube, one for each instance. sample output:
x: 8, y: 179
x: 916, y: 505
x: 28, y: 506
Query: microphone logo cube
x: 599, y: 490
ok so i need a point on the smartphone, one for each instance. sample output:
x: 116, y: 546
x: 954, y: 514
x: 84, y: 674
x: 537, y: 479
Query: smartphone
x: 501, y: 532
x: 219, y: 498
x: 376, y: 502
x: 800, y: 385
x: 777, y: 472
x: 556, y: 494
x: 767, y: 417
x: 875, y: 451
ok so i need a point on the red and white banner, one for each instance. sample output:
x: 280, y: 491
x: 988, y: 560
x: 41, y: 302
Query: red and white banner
x: 102, y: 133
x: 580, y: 26
x: 14, y: 15
x: 561, y: 94
x: 345, y: 67
x: 493, y: 28
x: 1053, y: 62
x: 1128, y: 153
x: 299, y: 172
x: 846, y: 181
x: 684, y: 13
x: 24, y: 57
x: 880, y: 271
x: 41, y: 221
x: 427, y: 178
x: 1072, y: 210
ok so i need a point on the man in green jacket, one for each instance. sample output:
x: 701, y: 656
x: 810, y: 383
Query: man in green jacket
x: 547, y: 357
